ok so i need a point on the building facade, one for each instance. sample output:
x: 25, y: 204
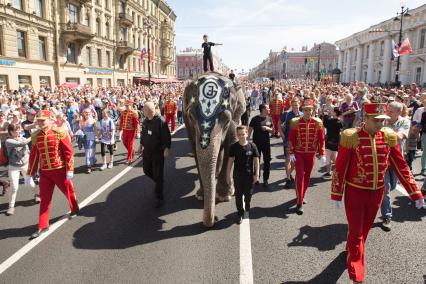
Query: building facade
x: 298, y: 64
x: 367, y: 55
x: 189, y: 63
x: 44, y: 43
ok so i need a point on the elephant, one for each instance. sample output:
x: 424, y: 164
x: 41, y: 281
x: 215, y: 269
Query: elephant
x: 212, y: 109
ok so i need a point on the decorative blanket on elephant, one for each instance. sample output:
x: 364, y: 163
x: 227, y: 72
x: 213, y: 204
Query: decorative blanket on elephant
x: 213, y: 99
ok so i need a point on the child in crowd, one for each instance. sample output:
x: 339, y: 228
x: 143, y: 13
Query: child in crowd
x: 106, y: 136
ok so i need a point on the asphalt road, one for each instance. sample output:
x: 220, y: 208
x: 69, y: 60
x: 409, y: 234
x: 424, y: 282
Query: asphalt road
x: 121, y: 238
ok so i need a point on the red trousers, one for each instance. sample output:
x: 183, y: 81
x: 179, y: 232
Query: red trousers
x: 361, y: 208
x: 170, y: 119
x: 304, y: 165
x: 276, y: 123
x: 48, y: 180
x: 128, y: 140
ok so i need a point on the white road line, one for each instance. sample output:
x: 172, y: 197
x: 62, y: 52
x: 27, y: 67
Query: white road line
x: 246, y: 265
x: 53, y: 227
x: 177, y: 129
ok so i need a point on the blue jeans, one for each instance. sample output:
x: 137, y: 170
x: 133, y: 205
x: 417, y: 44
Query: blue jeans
x: 390, y: 184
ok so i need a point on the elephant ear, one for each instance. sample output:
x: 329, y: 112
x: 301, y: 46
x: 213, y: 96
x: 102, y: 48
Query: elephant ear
x: 213, y: 99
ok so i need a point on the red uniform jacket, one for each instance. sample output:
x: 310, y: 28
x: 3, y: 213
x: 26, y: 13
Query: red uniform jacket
x: 51, y: 150
x: 306, y: 136
x: 129, y: 120
x: 170, y: 107
x: 276, y: 106
x: 363, y: 160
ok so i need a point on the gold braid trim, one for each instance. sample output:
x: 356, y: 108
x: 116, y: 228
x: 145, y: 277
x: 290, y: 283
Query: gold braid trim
x: 318, y: 122
x: 59, y: 132
x: 390, y: 136
x: 294, y: 123
x: 34, y: 136
x: 349, y: 138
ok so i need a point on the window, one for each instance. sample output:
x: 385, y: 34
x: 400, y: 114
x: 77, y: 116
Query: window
x: 422, y: 38
x: 39, y: 8
x: 88, y: 56
x: 24, y: 81
x: 18, y: 4
x: 123, y: 33
x: 44, y: 82
x: 106, y: 4
x: 134, y: 64
x: 356, y: 54
x: 121, y: 62
x: 86, y: 20
x: 382, y: 48
x: 89, y: 81
x: 98, y: 27
x: 108, y: 58
x: 100, y: 82
x: 107, y: 30
x: 71, y: 53
x: 122, y: 7
x: 20, y: 37
x: 42, y: 48
x: 1, y: 41
x: 73, y: 13
x: 99, y: 57
x: 418, y: 75
x: 367, y: 53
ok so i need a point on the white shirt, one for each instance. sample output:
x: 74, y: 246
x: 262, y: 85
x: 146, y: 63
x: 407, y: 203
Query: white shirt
x: 417, y: 117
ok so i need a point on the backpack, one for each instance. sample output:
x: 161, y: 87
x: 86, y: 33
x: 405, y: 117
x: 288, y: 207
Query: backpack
x: 3, y: 154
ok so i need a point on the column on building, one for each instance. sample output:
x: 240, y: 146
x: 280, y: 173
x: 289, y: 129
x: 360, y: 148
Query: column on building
x: 370, y: 67
x: 340, y: 63
x: 403, y: 74
x: 358, y: 70
x: 348, y: 66
x: 386, y: 71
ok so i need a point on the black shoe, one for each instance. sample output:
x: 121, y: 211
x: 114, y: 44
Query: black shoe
x: 327, y: 174
x: 247, y: 208
x: 386, y: 224
x: 239, y: 219
x: 74, y: 214
x: 289, y: 183
x: 265, y: 183
x: 38, y: 233
x: 160, y: 203
x: 299, y: 210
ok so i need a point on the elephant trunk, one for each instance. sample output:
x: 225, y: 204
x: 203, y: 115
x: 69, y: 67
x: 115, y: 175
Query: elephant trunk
x: 207, y: 159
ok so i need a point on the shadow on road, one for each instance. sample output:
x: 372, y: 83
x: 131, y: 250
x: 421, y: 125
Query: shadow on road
x: 128, y: 218
x: 405, y: 210
x: 323, y: 238
x: 24, y: 231
x: 330, y: 274
x: 280, y: 211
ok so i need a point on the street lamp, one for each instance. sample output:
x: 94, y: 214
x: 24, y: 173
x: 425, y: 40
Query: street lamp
x: 148, y: 25
x: 399, y: 17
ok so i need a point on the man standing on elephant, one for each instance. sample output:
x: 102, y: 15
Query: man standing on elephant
x: 156, y: 142
x: 305, y: 139
x: 261, y: 127
x: 207, y: 53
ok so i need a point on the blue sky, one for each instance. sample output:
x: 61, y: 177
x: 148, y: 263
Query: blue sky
x: 249, y: 29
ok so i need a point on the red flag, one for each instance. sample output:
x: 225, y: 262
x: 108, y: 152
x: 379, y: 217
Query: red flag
x: 152, y: 56
x: 405, y: 47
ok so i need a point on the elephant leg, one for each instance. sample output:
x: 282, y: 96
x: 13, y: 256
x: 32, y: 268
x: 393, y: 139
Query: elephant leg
x: 224, y: 191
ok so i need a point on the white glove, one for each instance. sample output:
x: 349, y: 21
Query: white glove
x: 70, y: 175
x: 32, y: 183
x: 420, y: 203
x: 339, y: 204
x: 292, y: 158
x: 27, y: 180
x: 323, y: 161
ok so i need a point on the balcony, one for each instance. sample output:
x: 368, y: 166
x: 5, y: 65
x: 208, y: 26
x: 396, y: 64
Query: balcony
x: 76, y: 32
x: 126, y: 19
x: 124, y: 47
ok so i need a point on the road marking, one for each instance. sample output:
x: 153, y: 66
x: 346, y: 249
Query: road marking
x: 246, y: 265
x: 53, y: 227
